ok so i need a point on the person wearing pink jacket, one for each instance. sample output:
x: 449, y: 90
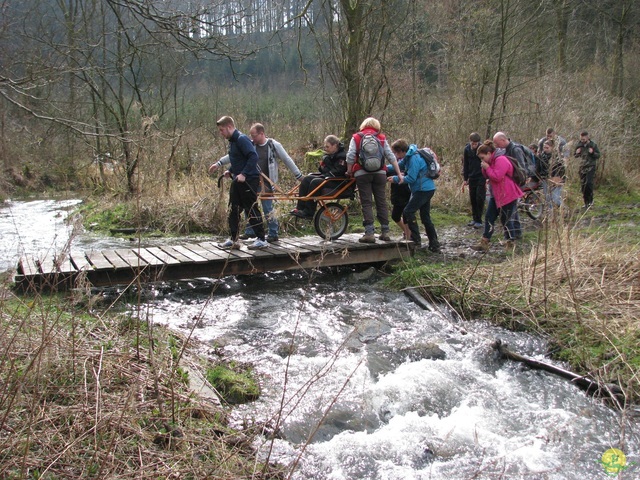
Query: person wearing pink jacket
x: 504, y: 196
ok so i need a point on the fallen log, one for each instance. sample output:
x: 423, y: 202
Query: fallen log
x: 418, y: 299
x: 414, y: 294
x: 128, y: 230
x: 591, y: 386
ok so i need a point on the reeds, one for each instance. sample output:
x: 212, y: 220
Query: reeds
x: 103, y: 396
x: 579, y: 288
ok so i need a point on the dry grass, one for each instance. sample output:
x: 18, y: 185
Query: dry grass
x: 84, y: 397
x: 581, y: 290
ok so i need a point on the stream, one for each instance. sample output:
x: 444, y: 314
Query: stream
x: 369, y: 385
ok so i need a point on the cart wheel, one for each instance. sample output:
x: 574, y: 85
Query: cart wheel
x: 331, y: 221
x: 533, y: 204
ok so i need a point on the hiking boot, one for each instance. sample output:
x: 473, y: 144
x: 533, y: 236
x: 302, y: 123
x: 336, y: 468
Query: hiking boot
x: 230, y: 244
x: 258, y: 244
x: 481, y: 246
x: 273, y: 239
x: 471, y: 224
x: 301, y: 213
x: 434, y: 248
x: 384, y: 237
x: 509, y: 246
x: 367, y: 238
x: 478, y: 225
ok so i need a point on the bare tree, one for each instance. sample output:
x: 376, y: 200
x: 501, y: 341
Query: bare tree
x: 513, y: 18
x: 113, y: 56
x: 353, y: 42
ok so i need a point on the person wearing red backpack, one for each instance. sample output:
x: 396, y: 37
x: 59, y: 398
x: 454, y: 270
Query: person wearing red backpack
x: 372, y: 184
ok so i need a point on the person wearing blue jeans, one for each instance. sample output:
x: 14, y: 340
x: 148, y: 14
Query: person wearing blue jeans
x: 269, y: 151
x: 422, y: 190
x: 504, y: 145
x: 551, y: 174
x: 505, y: 193
x: 505, y: 213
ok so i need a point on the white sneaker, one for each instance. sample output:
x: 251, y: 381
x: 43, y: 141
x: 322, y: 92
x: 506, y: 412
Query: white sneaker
x: 258, y: 244
x: 230, y: 244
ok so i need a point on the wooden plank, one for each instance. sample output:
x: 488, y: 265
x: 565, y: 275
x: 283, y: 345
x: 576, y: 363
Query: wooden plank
x: 99, y: 261
x: 45, y: 263
x: 262, y: 253
x: 341, y: 248
x: 28, y: 266
x: 81, y: 263
x: 130, y: 256
x: 228, y: 254
x: 65, y: 265
x: 213, y: 249
x: 189, y: 254
x: 115, y: 259
x: 203, y: 252
x: 310, y: 244
x: 53, y: 263
x: 175, y: 254
x: 292, y: 248
x: 162, y: 255
x: 278, y: 249
x: 149, y: 257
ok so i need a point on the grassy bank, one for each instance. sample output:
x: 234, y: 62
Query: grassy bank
x: 574, y: 280
x: 106, y: 395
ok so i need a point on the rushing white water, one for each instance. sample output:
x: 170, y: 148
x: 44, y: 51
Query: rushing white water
x: 365, y: 396
x: 370, y: 386
x: 32, y: 227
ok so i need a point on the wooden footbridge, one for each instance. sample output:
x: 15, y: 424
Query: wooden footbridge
x: 195, y: 260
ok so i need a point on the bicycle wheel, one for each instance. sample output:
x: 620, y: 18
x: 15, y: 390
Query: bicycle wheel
x: 331, y: 221
x: 533, y: 204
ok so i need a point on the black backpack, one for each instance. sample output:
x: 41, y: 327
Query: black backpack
x: 430, y: 158
x: 529, y: 160
x: 371, y: 155
x: 518, y: 175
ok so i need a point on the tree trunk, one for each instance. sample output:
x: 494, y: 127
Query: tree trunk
x: 618, y: 57
x: 355, y: 113
x: 563, y: 9
x: 504, y: 15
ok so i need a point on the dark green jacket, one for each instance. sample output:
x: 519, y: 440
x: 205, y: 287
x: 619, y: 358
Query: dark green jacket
x: 588, y: 160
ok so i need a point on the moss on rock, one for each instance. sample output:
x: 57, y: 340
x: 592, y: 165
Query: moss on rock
x: 235, y: 384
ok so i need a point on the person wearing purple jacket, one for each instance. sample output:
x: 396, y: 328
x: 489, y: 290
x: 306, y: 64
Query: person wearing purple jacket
x: 505, y: 194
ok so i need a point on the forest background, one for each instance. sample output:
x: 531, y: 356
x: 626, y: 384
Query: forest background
x: 121, y: 97
x: 117, y: 100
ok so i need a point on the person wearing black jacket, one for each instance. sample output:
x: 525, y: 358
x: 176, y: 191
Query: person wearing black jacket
x: 400, y: 193
x: 333, y: 165
x: 243, y: 192
x: 588, y: 153
x: 473, y: 178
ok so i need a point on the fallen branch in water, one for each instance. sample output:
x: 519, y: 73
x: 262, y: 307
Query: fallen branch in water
x: 591, y: 386
x: 414, y: 294
x: 417, y: 298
